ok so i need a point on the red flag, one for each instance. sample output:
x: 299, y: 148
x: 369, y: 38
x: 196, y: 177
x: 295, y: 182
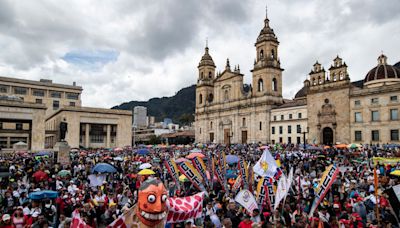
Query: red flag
x: 77, y: 222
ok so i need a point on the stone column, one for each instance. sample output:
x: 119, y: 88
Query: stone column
x: 87, y: 138
x: 108, y: 137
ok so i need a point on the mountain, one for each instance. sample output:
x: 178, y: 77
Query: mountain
x: 180, y: 107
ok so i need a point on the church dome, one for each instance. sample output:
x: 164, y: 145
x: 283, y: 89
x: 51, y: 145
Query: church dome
x: 267, y: 33
x: 383, y: 71
x: 206, y: 60
x: 397, y: 65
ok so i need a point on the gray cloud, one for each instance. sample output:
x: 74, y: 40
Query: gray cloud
x: 160, y: 42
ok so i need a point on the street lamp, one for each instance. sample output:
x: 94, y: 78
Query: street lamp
x: 304, y: 137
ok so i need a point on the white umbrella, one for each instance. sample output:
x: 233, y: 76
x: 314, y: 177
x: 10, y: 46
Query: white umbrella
x: 145, y: 166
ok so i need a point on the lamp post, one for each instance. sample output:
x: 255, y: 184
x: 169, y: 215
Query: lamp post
x: 304, y: 137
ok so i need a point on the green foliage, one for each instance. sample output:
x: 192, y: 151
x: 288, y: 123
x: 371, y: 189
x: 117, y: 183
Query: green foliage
x: 180, y: 108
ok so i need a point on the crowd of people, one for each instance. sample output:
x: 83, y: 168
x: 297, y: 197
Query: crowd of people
x: 352, y: 201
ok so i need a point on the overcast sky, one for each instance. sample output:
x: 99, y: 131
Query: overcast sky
x: 122, y: 50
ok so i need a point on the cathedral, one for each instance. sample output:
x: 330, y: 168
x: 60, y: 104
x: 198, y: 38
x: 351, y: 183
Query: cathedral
x: 328, y: 109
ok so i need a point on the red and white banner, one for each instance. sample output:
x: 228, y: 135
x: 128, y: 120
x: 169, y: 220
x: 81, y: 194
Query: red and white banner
x: 184, y: 208
x: 191, y: 173
x: 77, y: 221
x: 125, y: 220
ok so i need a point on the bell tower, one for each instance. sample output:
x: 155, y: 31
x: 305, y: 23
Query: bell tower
x: 205, y: 81
x: 267, y: 73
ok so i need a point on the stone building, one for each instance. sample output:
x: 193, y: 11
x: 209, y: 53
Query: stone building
x: 227, y: 110
x: 328, y: 109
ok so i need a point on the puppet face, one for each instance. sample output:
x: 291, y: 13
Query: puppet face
x: 152, y: 204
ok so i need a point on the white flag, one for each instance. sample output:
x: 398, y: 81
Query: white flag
x: 281, y: 190
x: 247, y: 200
x: 266, y: 166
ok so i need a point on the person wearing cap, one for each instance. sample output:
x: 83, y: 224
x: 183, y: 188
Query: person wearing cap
x: 6, y: 221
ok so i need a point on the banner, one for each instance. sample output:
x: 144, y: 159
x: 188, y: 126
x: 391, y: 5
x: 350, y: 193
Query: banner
x: 173, y: 171
x: 281, y: 190
x: 220, y: 177
x: 198, y: 163
x: 385, y: 161
x: 237, y: 184
x: 191, y: 173
x: 244, y: 172
x: 222, y: 165
x: 77, y: 221
x: 210, y: 168
x: 181, y: 209
x: 266, y: 166
x: 246, y: 199
x: 265, y: 189
x: 327, y: 179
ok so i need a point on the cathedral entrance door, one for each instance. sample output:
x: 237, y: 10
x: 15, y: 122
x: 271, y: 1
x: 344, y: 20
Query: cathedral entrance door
x: 227, y: 137
x: 244, y: 137
x: 327, y: 136
x: 211, y: 137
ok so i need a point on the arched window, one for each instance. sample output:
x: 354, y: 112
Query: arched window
x: 334, y: 77
x: 314, y: 81
x: 261, y: 54
x: 319, y: 80
x: 226, y: 95
x: 200, y: 99
x: 210, y: 97
x: 273, y: 53
x: 260, y: 85
x: 209, y: 75
x: 201, y: 75
x: 211, y: 125
x: 274, y: 85
x: 243, y: 122
x: 341, y: 76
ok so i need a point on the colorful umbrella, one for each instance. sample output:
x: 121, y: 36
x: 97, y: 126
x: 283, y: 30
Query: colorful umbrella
x: 230, y: 159
x: 46, y: 194
x: 40, y: 176
x: 193, y: 155
x: 146, y: 172
x: 64, y: 173
x: 104, y: 168
x: 145, y: 166
x: 395, y: 173
x: 195, y: 150
x: 341, y: 146
x: 143, y: 151
x: 179, y: 160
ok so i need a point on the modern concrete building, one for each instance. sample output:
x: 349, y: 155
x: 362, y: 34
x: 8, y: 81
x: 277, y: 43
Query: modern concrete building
x: 140, y: 117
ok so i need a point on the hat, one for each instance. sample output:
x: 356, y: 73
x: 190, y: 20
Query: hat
x: 6, y: 217
x: 20, y: 208
x: 336, y: 205
x: 35, y: 214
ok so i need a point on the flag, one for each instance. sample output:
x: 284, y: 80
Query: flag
x: 244, y: 172
x: 191, y: 173
x: 265, y: 192
x: 210, y: 168
x: 281, y: 190
x: 266, y: 166
x: 237, y: 184
x: 220, y: 177
x: 325, y: 183
x: 173, y: 171
x: 198, y: 163
x: 125, y: 220
x: 246, y: 199
x: 77, y: 221
x: 181, y: 209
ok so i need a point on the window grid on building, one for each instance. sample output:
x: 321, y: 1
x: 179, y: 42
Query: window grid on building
x: 375, y: 135
x: 374, y: 115
x: 393, y: 114
x: 357, y: 135
x: 394, y: 135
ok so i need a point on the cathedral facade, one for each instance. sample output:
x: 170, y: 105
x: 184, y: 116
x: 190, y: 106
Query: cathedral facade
x: 328, y: 109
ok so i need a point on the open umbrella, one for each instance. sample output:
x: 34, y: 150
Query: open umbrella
x: 118, y: 149
x: 104, y: 168
x: 118, y: 159
x: 43, y: 153
x: 64, y: 173
x: 145, y: 166
x: 40, y: 176
x: 354, y: 146
x: 230, y: 159
x: 193, y: 155
x: 143, y: 151
x: 179, y: 160
x: 146, y: 172
x: 395, y: 173
x: 46, y: 194
x: 183, y: 178
x: 195, y: 150
x: 341, y: 146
